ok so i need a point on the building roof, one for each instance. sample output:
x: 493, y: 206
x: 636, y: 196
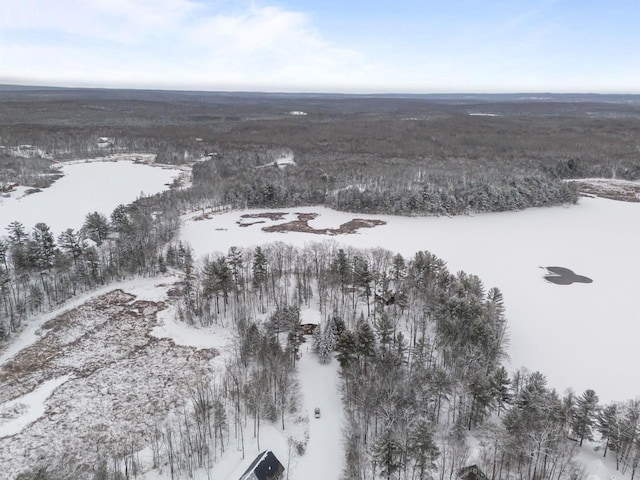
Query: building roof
x: 471, y: 472
x: 265, y: 467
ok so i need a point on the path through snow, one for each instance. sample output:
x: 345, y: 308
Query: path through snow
x: 320, y: 385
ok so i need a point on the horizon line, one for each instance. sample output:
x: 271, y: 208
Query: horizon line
x: 7, y: 86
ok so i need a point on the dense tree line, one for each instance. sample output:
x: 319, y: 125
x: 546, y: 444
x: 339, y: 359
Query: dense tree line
x: 421, y: 354
x: 39, y: 271
x: 377, y: 155
x: 420, y: 351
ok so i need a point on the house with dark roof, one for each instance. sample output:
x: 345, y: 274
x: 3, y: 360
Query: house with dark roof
x: 471, y: 472
x: 265, y: 467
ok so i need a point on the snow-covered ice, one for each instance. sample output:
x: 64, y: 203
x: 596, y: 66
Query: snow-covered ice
x: 84, y: 188
x: 580, y: 335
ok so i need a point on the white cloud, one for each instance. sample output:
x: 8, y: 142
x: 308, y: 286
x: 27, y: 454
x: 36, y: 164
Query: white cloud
x: 248, y: 45
x: 111, y: 20
x: 165, y: 43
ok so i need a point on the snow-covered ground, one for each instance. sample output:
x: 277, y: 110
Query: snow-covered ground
x: 580, y: 335
x: 184, y: 335
x: 102, y: 368
x: 142, y: 288
x: 84, y: 188
x: 320, y: 388
x: 281, y: 162
x: 27, y: 409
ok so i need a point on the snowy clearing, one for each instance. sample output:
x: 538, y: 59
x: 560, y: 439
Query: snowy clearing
x: 184, y: 335
x: 85, y: 187
x: 587, y: 331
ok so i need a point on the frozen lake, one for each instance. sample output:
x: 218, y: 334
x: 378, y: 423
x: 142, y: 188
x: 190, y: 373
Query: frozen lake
x: 581, y: 335
x: 84, y: 188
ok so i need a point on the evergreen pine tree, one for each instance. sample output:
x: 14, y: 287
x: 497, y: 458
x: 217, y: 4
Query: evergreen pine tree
x: 585, y: 415
x: 501, y: 387
x: 316, y: 339
x: 17, y: 233
x: 387, y: 453
x: 42, y: 247
x: 399, y: 268
x: 327, y: 343
x: 366, y: 341
x: 421, y: 448
x: 96, y: 227
x: 70, y: 241
x: 120, y: 221
x: 607, y: 421
x: 346, y: 349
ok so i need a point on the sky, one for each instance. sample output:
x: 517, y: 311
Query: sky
x: 359, y: 46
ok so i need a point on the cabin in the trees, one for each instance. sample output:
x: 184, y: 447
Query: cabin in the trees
x: 471, y: 472
x: 105, y: 142
x: 308, y: 328
x: 309, y: 323
x: 265, y: 467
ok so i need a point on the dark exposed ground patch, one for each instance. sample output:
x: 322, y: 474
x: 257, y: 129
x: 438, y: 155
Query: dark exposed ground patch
x: 624, y: 192
x: 302, y: 224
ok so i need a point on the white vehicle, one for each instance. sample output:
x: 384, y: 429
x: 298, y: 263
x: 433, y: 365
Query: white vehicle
x: 316, y: 412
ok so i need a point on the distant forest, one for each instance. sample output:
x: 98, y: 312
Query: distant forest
x: 395, y: 155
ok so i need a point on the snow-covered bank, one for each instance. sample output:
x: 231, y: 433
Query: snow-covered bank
x: 579, y: 335
x: 85, y: 188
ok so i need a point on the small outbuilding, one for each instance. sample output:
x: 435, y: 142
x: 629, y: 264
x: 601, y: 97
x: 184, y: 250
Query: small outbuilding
x: 471, y: 472
x: 308, y: 328
x: 265, y: 467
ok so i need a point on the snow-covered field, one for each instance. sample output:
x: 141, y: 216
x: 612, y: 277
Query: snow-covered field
x: 84, y: 188
x: 582, y: 335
